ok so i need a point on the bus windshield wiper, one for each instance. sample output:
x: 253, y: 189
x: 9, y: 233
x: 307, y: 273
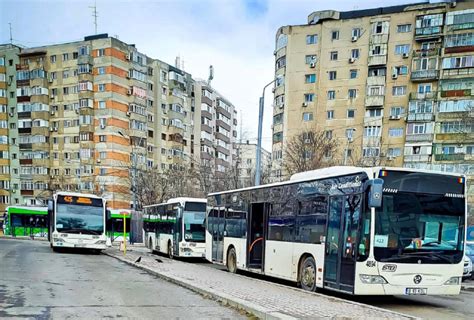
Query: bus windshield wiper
x: 429, y: 255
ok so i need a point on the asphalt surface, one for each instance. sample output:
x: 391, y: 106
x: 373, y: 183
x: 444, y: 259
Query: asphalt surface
x: 37, y: 283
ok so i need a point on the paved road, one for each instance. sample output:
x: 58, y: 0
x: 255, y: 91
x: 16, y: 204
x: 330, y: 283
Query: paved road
x: 37, y: 283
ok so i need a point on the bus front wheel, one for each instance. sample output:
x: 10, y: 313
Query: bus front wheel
x: 231, y: 262
x: 308, y: 274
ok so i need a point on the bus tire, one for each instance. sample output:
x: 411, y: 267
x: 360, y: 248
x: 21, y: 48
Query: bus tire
x: 307, y: 276
x: 170, y: 250
x: 231, y: 262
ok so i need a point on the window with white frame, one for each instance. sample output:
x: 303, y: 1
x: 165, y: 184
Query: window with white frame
x: 399, y: 90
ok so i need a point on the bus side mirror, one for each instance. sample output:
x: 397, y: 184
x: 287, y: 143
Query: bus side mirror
x: 107, y: 214
x: 375, y: 193
x: 50, y: 206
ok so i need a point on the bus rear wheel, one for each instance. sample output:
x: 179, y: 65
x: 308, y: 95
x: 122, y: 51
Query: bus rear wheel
x: 170, y: 251
x: 231, y: 262
x: 308, y: 274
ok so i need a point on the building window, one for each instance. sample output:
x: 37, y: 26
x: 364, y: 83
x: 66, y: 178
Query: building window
x: 101, y: 52
x: 372, y: 131
x: 402, y: 49
x: 356, y: 32
x: 396, y: 111
x: 330, y: 114
x: 101, y: 70
x: 310, y: 59
x: 310, y: 78
x: 102, y: 138
x: 102, y: 155
x: 351, y: 113
x: 331, y: 95
x: 355, y: 53
x: 403, y: 28
x: 352, y: 93
x: 52, y: 59
x: 307, y: 116
x: 353, y: 73
x: 374, y: 113
x: 400, y: 70
x: 101, y: 87
x: 335, y: 35
x: 371, y: 152
x: 333, y: 55
x: 312, y: 39
x: 395, y: 132
x: 399, y: 90
x: 102, y: 105
x: 65, y: 56
x: 332, y: 75
x: 309, y: 97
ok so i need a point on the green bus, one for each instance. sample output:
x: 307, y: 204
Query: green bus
x: 115, y: 224
x: 26, y: 221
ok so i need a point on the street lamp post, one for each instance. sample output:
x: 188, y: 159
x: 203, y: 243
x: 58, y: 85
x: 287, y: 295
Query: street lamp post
x: 259, y: 139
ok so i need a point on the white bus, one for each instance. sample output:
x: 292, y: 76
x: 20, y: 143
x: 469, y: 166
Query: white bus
x: 77, y: 221
x: 176, y: 228
x: 367, y: 231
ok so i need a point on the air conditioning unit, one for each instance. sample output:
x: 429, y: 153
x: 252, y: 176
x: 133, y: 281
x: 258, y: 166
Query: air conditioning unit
x: 307, y: 140
x: 304, y: 104
x: 11, y: 114
x: 129, y: 92
x: 312, y: 65
x: 170, y: 157
x: 52, y: 176
x: 50, y: 80
x: 352, y: 60
x: 350, y: 139
x: 52, y: 96
x: 127, y: 56
x: 394, y: 75
x: 56, y: 129
x: 354, y: 38
x: 98, y: 160
x: 390, y: 158
x: 52, y: 113
x: 77, y: 111
x: 102, y: 126
x: 405, y: 55
x: 397, y: 117
x: 129, y: 113
x: 51, y: 129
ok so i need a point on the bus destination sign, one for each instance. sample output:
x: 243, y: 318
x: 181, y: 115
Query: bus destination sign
x: 80, y: 201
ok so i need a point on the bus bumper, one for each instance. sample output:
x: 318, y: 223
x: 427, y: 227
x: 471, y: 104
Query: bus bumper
x: 85, y: 244
x: 410, y: 290
x: 192, y: 251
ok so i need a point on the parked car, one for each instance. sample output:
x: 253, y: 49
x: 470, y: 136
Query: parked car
x: 467, y: 274
x: 470, y: 255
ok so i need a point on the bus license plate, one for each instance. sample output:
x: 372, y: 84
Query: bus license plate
x: 416, y: 291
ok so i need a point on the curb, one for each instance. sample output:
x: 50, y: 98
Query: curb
x: 256, y: 310
x: 24, y: 238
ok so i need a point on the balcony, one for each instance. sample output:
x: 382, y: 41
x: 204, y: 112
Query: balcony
x: 420, y: 117
x: 419, y: 137
x: 417, y: 158
x: 458, y: 73
x: 428, y: 32
x: 450, y: 157
x: 456, y: 93
x: 376, y: 81
x: 374, y: 101
x: 423, y: 96
x: 85, y: 59
x: 421, y: 53
x: 461, y: 26
x: 460, y: 49
x: 377, y: 60
x: 422, y: 75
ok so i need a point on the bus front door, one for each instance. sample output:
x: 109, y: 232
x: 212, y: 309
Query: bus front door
x: 217, y: 231
x: 256, y: 236
x: 339, y: 264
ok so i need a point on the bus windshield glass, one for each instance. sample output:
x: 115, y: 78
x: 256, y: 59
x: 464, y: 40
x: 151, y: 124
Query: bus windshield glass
x: 79, y: 215
x: 417, y: 227
x: 193, y: 216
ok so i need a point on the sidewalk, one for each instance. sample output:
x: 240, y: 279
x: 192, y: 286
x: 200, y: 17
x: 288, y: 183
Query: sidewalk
x: 264, y: 299
x: 468, y: 285
x: 23, y: 238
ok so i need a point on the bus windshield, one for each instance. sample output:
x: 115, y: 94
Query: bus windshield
x: 72, y: 218
x: 421, y: 228
x: 194, y: 229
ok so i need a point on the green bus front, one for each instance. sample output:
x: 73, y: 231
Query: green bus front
x: 115, y: 225
x: 26, y: 221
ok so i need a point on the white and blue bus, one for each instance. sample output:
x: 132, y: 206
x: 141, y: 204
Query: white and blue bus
x: 363, y: 231
x: 176, y: 227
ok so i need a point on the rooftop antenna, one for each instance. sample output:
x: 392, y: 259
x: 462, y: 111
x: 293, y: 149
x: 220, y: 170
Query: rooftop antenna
x: 177, y: 62
x: 11, y: 38
x: 95, y: 15
x: 211, y: 75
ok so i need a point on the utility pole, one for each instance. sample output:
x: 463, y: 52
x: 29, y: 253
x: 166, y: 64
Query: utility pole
x: 95, y: 15
x: 11, y: 37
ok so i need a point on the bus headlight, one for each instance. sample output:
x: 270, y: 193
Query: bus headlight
x: 372, y: 279
x: 453, y: 280
x: 101, y: 242
x: 59, y: 240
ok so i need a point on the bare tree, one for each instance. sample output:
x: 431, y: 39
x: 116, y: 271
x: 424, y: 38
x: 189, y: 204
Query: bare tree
x: 309, y: 150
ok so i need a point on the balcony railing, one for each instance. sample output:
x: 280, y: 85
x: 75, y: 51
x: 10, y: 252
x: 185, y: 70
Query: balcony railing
x: 449, y: 157
x: 417, y: 158
x: 428, y: 32
x: 419, y: 137
x: 456, y: 93
x: 420, y: 117
x: 377, y: 60
x: 426, y: 52
x: 423, y: 96
x: 424, y: 75
x: 458, y: 72
x: 461, y: 26
x: 374, y: 101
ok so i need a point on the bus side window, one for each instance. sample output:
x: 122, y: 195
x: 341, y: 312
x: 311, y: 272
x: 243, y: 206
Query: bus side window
x: 364, y: 231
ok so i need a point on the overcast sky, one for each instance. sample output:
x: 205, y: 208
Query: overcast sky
x: 235, y: 36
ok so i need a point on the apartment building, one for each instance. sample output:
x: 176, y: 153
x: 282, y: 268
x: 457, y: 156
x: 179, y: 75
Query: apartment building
x: 246, y: 164
x: 393, y: 85
x: 216, y: 126
x: 81, y: 116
